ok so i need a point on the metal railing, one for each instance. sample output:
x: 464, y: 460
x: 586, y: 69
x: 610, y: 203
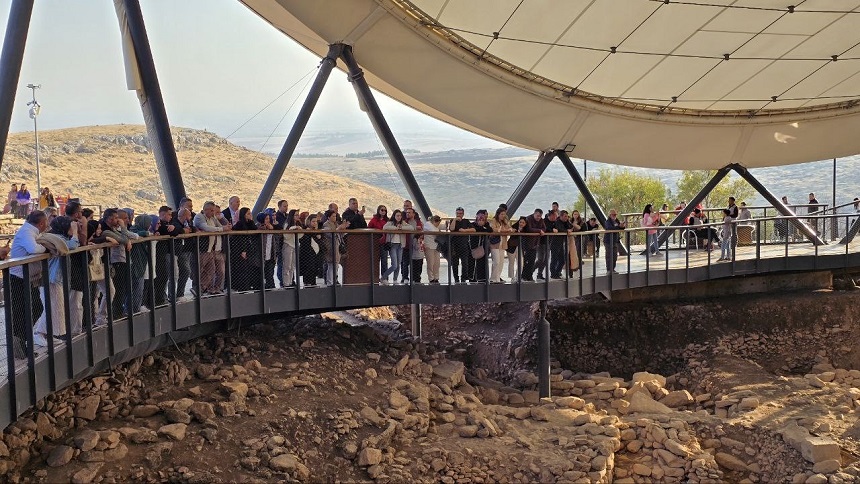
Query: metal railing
x: 67, y: 316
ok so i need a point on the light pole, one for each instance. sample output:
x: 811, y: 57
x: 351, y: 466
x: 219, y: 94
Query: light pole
x: 35, y: 107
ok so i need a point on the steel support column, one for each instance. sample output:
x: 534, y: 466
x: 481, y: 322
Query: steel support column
x: 365, y: 96
x: 11, y: 58
x: 416, y: 320
x: 691, y: 205
x: 152, y: 105
x: 529, y: 181
x: 277, y: 173
x: 590, y: 201
x: 543, y: 369
x: 777, y: 204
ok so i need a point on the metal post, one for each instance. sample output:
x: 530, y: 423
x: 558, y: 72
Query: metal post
x: 365, y: 96
x: 529, y: 181
x: 277, y: 173
x: 834, y: 222
x: 590, y: 201
x: 152, y: 102
x: 543, y: 369
x: 777, y: 203
x: 681, y: 217
x: 17, y: 28
x: 34, y: 113
x: 416, y: 320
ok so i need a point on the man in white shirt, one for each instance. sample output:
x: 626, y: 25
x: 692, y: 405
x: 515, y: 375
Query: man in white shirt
x: 210, y: 247
x: 24, y: 245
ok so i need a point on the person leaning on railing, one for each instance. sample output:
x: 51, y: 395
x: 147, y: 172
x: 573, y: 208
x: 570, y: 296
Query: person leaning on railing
x: 529, y: 245
x: 61, y: 238
x: 164, y: 226
x: 23, y: 245
x: 310, y: 246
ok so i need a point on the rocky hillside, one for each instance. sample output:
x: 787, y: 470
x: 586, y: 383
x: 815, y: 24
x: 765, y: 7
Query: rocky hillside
x: 114, y: 166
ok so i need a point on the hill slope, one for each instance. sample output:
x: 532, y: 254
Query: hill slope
x: 113, y: 166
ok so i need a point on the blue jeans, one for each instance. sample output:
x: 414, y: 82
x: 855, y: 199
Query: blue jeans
x: 726, y: 248
x: 396, y: 252
x: 653, y: 247
x: 383, y: 259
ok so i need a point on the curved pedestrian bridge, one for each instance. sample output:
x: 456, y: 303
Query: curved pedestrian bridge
x: 148, y: 305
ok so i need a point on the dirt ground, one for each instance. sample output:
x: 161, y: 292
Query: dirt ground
x: 346, y: 397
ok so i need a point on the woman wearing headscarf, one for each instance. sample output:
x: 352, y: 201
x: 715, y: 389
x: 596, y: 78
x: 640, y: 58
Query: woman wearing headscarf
x: 62, y: 228
x: 244, y: 254
x: 499, y: 243
x: 333, y: 243
x: 310, y: 245
x: 479, y: 244
x: 141, y: 257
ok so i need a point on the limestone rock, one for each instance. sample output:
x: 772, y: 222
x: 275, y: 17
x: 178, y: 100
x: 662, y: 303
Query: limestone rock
x: 144, y: 411
x: 570, y: 402
x: 86, y: 440
x: 644, y: 376
x: 174, y: 431
x: 202, y: 411
x: 819, y: 449
x: 730, y: 462
x: 468, y: 431
x: 60, y: 456
x: 290, y: 463
x: 641, y: 470
x: 143, y: 436
x: 827, y: 466
x: 88, y: 407
x: 641, y: 402
x: 676, y: 399
x: 177, y: 416
x: 87, y: 474
x: 449, y: 372
x: 749, y: 403
x: 235, y: 387
x: 369, y: 456
x: 117, y: 453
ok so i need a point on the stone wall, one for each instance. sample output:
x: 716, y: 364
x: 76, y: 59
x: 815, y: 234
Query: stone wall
x: 783, y: 332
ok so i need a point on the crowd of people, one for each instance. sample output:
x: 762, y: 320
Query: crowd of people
x: 19, y: 202
x: 296, y: 248
x: 304, y: 249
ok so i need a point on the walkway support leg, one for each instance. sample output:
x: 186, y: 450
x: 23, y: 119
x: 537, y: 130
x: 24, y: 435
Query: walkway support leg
x: 777, y: 203
x: 529, y: 181
x: 691, y: 205
x: 356, y: 77
x: 543, y: 353
x: 325, y: 68
x: 416, y: 321
x: 151, y: 101
x: 595, y: 207
x: 10, y: 63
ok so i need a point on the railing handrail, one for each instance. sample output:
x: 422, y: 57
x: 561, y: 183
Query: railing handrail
x: 18, y: 261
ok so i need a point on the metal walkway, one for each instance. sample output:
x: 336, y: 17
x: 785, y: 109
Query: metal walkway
x: 97, y: 348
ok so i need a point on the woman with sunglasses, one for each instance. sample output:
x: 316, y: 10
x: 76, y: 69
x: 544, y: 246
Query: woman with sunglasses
x: 377, y: 222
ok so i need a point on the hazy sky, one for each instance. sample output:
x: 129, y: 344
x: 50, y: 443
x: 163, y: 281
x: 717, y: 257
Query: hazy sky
x: 218, y: 64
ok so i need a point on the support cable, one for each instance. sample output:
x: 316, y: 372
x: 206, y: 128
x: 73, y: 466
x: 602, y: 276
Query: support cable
x: 270, y: 103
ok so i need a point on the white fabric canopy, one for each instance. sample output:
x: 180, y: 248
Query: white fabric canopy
x: 690, y: 84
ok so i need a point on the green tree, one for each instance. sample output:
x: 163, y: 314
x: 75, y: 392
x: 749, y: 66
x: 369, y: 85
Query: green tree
x: 625, y: 191
x: 691, y: 182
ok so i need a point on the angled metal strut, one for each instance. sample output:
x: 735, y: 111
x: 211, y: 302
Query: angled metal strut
x: 761, y: 189
x: 277, y: 173
x: 152, y: 105
x: 10, y: 63
x: 368, y: 103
